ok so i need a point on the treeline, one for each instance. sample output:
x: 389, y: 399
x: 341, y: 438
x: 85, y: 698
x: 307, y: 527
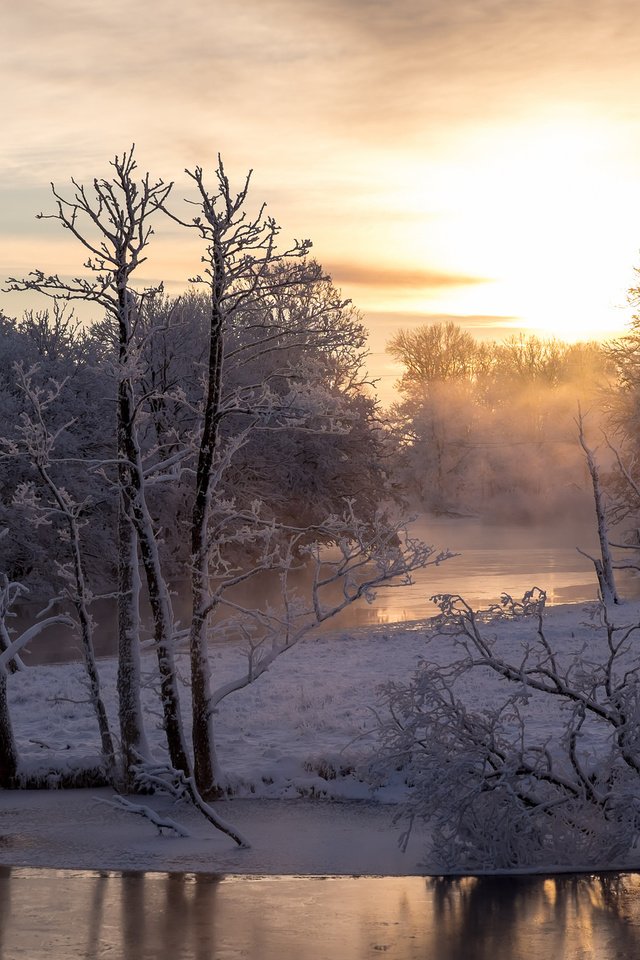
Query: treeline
x: 490, y: 427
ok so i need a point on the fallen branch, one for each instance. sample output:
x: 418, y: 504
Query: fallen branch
x: 141, y: 810
x: 175, y: 783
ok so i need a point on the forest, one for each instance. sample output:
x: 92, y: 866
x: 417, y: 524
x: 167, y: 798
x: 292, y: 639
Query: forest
x: 176, y: 451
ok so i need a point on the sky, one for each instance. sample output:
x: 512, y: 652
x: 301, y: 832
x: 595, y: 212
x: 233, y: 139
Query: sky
x: 475, y: 161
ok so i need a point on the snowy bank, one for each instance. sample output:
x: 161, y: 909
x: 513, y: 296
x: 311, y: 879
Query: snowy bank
x: 296, y: 746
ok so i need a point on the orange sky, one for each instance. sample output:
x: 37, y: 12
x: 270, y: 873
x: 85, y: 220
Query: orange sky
x: 475, y: 160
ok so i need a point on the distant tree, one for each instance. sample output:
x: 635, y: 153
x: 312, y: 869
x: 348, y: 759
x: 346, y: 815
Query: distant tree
x: 490, y: 427
x: 434, y: 353
x: 622, y: 401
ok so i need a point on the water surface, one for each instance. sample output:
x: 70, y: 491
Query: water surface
x: 491, y: 559
x: 67, y: 915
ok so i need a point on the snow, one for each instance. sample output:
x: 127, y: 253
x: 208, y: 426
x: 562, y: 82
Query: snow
x: 283, y: 737
x: 296, y: 746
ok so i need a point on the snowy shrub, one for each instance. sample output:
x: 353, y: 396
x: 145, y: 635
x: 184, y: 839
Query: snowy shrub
x: 548, y: 776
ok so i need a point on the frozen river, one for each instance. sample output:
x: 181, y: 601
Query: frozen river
x: 61, y: 915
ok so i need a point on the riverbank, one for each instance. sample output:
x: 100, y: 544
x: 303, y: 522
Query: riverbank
x: 308, y: 728
x: 310, y: 788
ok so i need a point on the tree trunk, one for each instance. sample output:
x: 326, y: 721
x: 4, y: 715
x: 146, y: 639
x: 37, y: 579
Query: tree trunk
x: 15, y: 663
x: 205, y: 763
x: 8, y: 751
x: 136, y: 508
x: 132, y: 734
x: 79, y: 599
x: 206, y: 767
x: 94, y: 684
x: 604, y: 566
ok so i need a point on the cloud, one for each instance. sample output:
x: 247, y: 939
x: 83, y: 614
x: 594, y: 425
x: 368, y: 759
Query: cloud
x: 304, y: 83
x: 362, y: 119
x: 468, y: 319
x: 398, y: 277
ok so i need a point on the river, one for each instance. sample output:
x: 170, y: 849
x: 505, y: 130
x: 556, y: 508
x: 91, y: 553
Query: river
x: 68, y: 915
x: 490, y: 559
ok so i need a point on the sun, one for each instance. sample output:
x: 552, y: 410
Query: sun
x: 547, y: 210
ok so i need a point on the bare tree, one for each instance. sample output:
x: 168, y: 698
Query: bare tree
x: 10, y: 661
x: 37, y: 443
x: 603, y: 565
x: 8, y: 750
x: 243, y: 276
x: 111, y: 220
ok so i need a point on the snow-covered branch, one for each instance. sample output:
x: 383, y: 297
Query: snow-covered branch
x: 494, y: 793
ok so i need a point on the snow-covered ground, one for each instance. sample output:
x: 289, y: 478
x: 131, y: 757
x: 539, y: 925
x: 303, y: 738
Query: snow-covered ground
x: 304, y: 729
x: 303, y: 735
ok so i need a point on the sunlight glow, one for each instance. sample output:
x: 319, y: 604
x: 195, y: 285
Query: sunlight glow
x: 544, y: 212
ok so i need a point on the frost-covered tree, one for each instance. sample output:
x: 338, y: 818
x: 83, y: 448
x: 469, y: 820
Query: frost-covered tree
x: 284, y: 358
x: 500, y: 787
x: 49, y: 503
x: 604, y: 565
x: 11, y: 662
x: 489, y: 427
x: 53, y: 345
x: 240, y: 260
x: 112, y: 221
x: 8, y: 749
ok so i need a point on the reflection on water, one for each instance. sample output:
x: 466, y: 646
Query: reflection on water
x: 493, y: 559
x: 136, y: 916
